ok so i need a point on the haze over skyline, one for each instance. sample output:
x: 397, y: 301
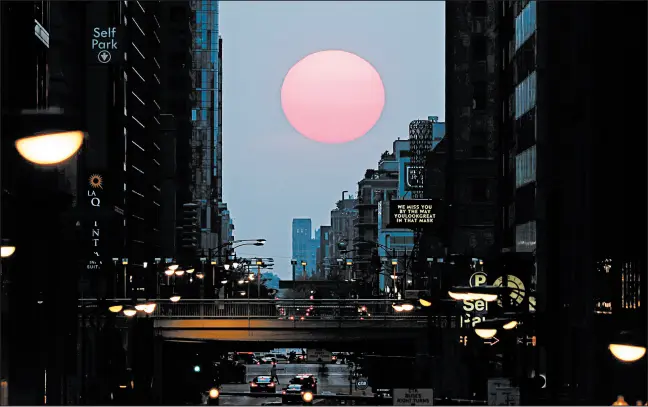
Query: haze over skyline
x: 273, y: 174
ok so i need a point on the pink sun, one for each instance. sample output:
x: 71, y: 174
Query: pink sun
x: 332, y: 96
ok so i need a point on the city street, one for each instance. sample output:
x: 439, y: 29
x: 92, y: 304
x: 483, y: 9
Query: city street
x: 336, y: 381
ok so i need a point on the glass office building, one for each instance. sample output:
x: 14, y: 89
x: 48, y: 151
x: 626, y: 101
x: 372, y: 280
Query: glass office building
x: 206, y: 131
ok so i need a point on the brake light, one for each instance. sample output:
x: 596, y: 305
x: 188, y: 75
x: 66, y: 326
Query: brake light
x: 283, y: 391
x: 302, y: 392
x: 271, y: 384
x: 302, y: 318
x: 253, y: 385
x: 291, y: 317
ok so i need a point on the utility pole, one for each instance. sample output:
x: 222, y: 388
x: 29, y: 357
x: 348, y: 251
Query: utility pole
x: 293, y: 262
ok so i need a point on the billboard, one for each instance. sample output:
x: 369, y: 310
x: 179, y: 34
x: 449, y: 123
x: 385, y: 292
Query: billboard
x: 413, y: 213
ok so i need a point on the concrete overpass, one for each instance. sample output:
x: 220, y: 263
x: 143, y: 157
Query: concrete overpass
x: 282, y: 321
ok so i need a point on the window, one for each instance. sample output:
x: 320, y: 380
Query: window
x: 525, y: 24
x: 479, y: 189
x: 479, y: 95
x: 525, y: 237
x: 478, y: 46
x: 525, y: 95
x: 479, y: 8
x: 525, y: 167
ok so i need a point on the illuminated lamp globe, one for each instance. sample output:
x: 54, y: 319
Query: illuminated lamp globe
x: 485, y: 333
x: 200, y: 275
x: 407, y: 307
x: 115, y: 308
x: 50, y: 148
x: 7, y: 251
x: 214, y: 393
x: 620, y: 401
x: 179, y: 272
x: 397, y: 308
x: 190, y: 271
x: 169, y: 272
x: 173, y: 267
x: 510, y: 325
x: 235, y: 265
x: 130, y: 312
x: 627, y: 353
x: 140, y: 307
x: 174, y: 298
x: 628, y: 346
x: 149, y: 308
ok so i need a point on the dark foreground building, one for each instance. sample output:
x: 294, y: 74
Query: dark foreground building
x: 558, y: 92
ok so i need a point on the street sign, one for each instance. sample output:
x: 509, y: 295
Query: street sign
x: 493, y: 385
x: 104, y: 45
x: 318, y: 355
x: 413, y: 397
x: 507, y: 396
x: 362, y: 384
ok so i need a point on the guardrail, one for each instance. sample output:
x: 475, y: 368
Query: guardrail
x: 334, y: 310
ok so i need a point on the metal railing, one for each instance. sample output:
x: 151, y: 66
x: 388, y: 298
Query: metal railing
x: 279, y: 309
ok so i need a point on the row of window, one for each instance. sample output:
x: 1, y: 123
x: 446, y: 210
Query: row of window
x: 525, y: 95
x: 525, y: 24
x: 525, y: 167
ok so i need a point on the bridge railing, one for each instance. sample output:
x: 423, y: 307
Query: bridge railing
x: 281, y: 309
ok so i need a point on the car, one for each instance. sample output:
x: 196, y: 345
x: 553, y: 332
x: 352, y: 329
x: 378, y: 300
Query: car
x: 293, y: 393
x: 268, y: 361
x: 263, y: 384
x: 307, y: 381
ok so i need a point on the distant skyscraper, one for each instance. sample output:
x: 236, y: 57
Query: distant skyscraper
x: 302, y: 246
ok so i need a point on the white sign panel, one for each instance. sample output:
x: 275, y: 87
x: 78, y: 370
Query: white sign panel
x: 493, y: 385
x: 317, y: 355
x: 508, y: 396
x: 413, y: 397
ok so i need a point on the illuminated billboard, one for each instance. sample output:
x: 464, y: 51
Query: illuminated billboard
x: 413, y: 213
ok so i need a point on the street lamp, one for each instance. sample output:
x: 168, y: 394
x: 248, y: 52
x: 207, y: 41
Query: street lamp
x: 487, y: 329
x: 626, y: 348
x: 130, y: 312
x: 47, y: 138
x: 169, y: 272
x: 115, y: 308
x: 485, y: 293
x: 7, y: 251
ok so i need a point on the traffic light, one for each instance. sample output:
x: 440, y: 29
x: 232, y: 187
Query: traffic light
x: 190, y: 226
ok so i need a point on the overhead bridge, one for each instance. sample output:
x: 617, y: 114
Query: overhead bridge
x: 278, y: 320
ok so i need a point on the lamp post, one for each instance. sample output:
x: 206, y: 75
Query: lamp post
x: 303, y: 263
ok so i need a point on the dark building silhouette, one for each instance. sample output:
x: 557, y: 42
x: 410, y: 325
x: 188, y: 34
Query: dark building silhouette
x: 471, y: 106
x: 531, y: 158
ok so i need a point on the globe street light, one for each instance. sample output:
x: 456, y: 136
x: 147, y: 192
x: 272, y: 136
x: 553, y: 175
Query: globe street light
x: 174, y: 298
x: 627, y: 348
x: 7, y: 251
x: 487, y: 329
x: 47, y: 137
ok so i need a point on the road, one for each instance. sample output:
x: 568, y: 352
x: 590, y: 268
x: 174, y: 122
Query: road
x: 336, y: 381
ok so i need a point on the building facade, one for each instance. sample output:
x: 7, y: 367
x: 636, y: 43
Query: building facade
x: 324, y: 262
x: 342, y: 230
x: 377, y: 186
x: 558, y: 198
x: 302, y: 245
x: 206, y: 143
